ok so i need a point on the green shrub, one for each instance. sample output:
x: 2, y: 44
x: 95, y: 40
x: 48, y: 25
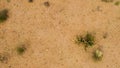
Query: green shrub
x: 88, y: 40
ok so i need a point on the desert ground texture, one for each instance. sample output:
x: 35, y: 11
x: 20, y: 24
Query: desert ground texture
x: 48, y: 29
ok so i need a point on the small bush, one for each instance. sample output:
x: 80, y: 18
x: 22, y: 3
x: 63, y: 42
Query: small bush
x: 88, y: 40
x: 98, y: 55
x: 3, y: 15
x: 21, y: 49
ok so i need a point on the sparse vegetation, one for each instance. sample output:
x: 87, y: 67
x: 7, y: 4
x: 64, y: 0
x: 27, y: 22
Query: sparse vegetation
x: 21, y: 49
x: 98, y: 55
x: 3, y: 58
x: 88, y: 40
x: 3, y: 15
x: 79, y: 39
x: 47, y: 4
x: 107, y: 0
x: 117, y: 3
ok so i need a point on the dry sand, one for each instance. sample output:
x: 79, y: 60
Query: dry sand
x: 49, y: 33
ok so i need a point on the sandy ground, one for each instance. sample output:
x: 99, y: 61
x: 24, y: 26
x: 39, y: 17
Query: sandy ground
x: 49, y: 33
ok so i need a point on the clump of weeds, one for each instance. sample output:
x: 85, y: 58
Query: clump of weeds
x: 88, y: 40
x: 8, y: 1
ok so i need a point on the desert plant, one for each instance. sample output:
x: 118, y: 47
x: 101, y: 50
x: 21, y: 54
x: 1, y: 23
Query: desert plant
x: 3, y: 15
x: 79, y: 39
x: 21, y: 49
x: 88, y: 39
x: 98, y: 55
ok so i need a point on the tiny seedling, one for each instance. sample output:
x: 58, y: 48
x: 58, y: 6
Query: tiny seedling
x: 47, y: 4
x: 21, y: 49
x: 3, y: 15
x: 107, y: 0
x: 88, y: 40
x: 98, y: 55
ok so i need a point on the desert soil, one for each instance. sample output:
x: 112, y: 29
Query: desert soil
x: 49, y: 32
